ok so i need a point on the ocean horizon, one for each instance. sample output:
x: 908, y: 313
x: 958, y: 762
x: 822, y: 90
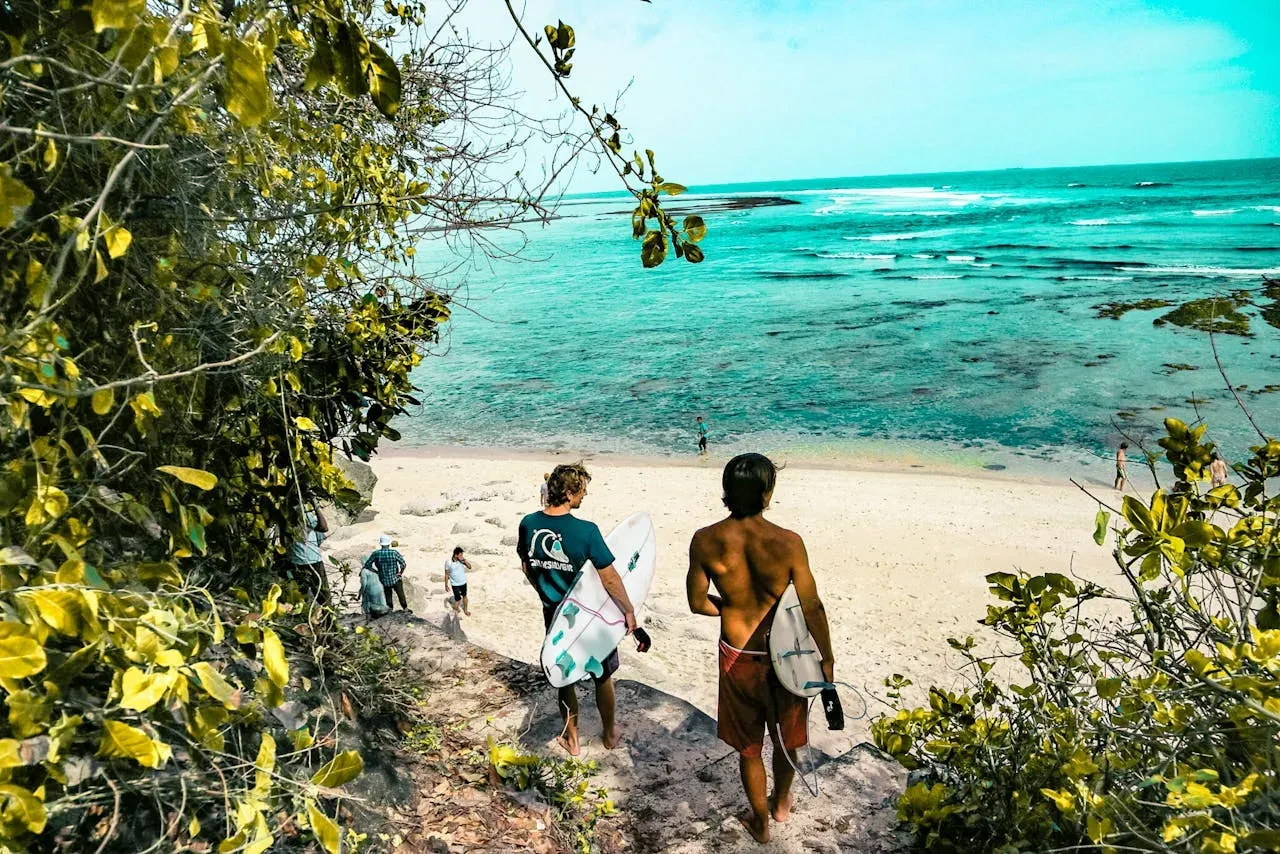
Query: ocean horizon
x: 960, y: 317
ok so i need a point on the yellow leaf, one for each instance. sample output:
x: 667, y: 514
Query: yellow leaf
x: 196, y: 477
x: 50, y: 158
x: 100, y: 267
x: 116, y: 14
x: 270, y: 604
x: 315, y: 265
x: 339, y: 770
x: 215, y: 686
x: 295, y: 350
x: 301, y: 739
x: 325, y: 828
x: 22, y: 808
x: 60, y: 610
x: 48, y: 504
x: 20, y: 656
x: 305, y: 423
x: 9, y: 757
x: 142, y: 690
x: 126, y: 742
x: 118, y: 239
x: 15, y: 197
x: 193, y: 829
x: 246, y: 94
x: 273, y: 658
x: 102, y: 400
x: 265, y: 763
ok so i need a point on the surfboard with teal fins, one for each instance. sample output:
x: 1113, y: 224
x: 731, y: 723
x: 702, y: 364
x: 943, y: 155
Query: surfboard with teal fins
x: 796, y: 660
x: 588, y: 624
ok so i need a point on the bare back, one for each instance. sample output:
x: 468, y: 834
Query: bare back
x: 750, y: 562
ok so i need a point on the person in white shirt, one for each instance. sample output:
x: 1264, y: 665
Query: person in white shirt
x: 455, y: 579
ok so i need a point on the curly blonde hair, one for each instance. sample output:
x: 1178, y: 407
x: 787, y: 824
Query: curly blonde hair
x: 565, y: 480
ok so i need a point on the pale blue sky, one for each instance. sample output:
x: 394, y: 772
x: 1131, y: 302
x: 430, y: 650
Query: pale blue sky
x: 734, y: 90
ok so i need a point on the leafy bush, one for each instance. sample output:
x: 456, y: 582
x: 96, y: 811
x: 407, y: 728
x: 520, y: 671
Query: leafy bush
x: 564, y: 782
x: 1144, y: 718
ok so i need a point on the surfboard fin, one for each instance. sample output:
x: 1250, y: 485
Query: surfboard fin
x: 594, y: 667
x: 555, y: 641
x: 566, y: 664
x: 570, y: 613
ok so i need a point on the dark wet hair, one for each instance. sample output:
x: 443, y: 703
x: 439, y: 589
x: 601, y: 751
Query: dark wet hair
x: 565, y: 480
x: 1124, y: 444
x: 747, y: 479
x: 457, y: 550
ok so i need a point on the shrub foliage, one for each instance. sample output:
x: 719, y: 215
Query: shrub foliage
x: 1143, y: 718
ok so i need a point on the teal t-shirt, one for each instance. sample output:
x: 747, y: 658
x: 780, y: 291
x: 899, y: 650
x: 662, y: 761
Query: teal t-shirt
x: 556, y: 547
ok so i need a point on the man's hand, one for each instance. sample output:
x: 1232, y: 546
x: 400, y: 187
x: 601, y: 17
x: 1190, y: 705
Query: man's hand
x: 829, y: 671
x: 630, y: 618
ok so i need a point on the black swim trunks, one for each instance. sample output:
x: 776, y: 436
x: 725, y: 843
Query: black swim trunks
x: 459, y: 592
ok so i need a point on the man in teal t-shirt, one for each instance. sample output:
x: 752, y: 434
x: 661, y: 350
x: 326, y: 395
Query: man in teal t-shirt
x: 553, y: 546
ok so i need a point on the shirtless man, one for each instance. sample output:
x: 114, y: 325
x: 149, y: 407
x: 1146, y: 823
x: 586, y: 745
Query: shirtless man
x: 1122, y: 474
x: 751, y: 561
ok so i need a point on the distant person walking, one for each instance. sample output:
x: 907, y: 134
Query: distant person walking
x: 703, y: 430
x: 1122, y: 474
x: 553, y: 545
x: 542, y: 490
x: 455, y: 579
x: 751, y: 562
x: 1218, y: 471
x: 390, y: 566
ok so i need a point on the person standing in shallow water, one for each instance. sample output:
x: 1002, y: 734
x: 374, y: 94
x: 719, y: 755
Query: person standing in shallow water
x: 751, y: 561
x: 553, y: 545
x: 703, y: 430
x: 1122, y: 474
x: 1218, y: 471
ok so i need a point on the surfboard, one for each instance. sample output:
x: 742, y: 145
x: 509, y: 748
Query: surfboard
x: 796, y: 660
x: 588, y: 624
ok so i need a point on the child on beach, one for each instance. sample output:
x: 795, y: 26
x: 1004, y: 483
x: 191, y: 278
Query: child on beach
x: 455, y: 579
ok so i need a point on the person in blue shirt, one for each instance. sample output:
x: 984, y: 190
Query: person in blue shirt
x: 455, y: 580
x: 553, y: 546
x: 305, y: 557
x: 703, y: 430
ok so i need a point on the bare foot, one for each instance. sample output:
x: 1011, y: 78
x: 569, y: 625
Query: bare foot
x: 468, y: 613
x: 612, y: 739
x: 757, y: 827
x: 569, y: 742
x: 780, y: 808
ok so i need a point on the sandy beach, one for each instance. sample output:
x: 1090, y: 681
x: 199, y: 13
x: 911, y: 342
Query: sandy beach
x: 899, y: 555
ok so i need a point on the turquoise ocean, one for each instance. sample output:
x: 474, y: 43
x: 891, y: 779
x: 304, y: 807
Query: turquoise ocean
x: 948, y: 318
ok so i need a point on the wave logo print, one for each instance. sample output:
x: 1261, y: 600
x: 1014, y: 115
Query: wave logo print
x: 549, y: 544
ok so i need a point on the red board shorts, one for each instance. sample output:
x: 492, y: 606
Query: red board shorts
x: 753, y: 701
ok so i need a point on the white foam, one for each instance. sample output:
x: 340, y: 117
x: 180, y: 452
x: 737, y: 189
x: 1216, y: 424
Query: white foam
x: 1098, y: 278
x: 1193, y: 270
x: 1224, y: 212
x: 962, y: 258
x: 1091, y: 222
x: 923, y: 256
x: 861, y: 256
x: 1268, y: 208
x: 909, y: 235
x: 939, y: 276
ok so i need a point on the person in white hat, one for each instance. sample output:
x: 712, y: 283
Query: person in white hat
x: 389, y: 564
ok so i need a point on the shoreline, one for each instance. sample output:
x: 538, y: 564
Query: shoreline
x: 912, y: 464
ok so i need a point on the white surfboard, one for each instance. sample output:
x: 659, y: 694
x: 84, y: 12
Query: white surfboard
x: 588, y: 624
x: 796, y: 660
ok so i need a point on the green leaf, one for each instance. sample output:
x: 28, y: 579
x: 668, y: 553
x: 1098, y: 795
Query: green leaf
x: 247, y: 96
x: 320, y: 68
x: 1100, y: 526
x: 116, y: 14
x: 15, y: 197
x: 384, y: 81
x: 339, y: 770
x: 654, y: 249
x: 692, y: 253
x: 15, y: 556
x: 694, y: 228
x: 20, y: 656
x: 672, y: 189
x: 198, y: 478
x: 350, y: 53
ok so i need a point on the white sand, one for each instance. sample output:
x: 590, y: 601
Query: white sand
x: 899, y: 556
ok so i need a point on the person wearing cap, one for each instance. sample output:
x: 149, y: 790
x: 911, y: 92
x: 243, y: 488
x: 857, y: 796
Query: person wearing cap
x: 389, y: 564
